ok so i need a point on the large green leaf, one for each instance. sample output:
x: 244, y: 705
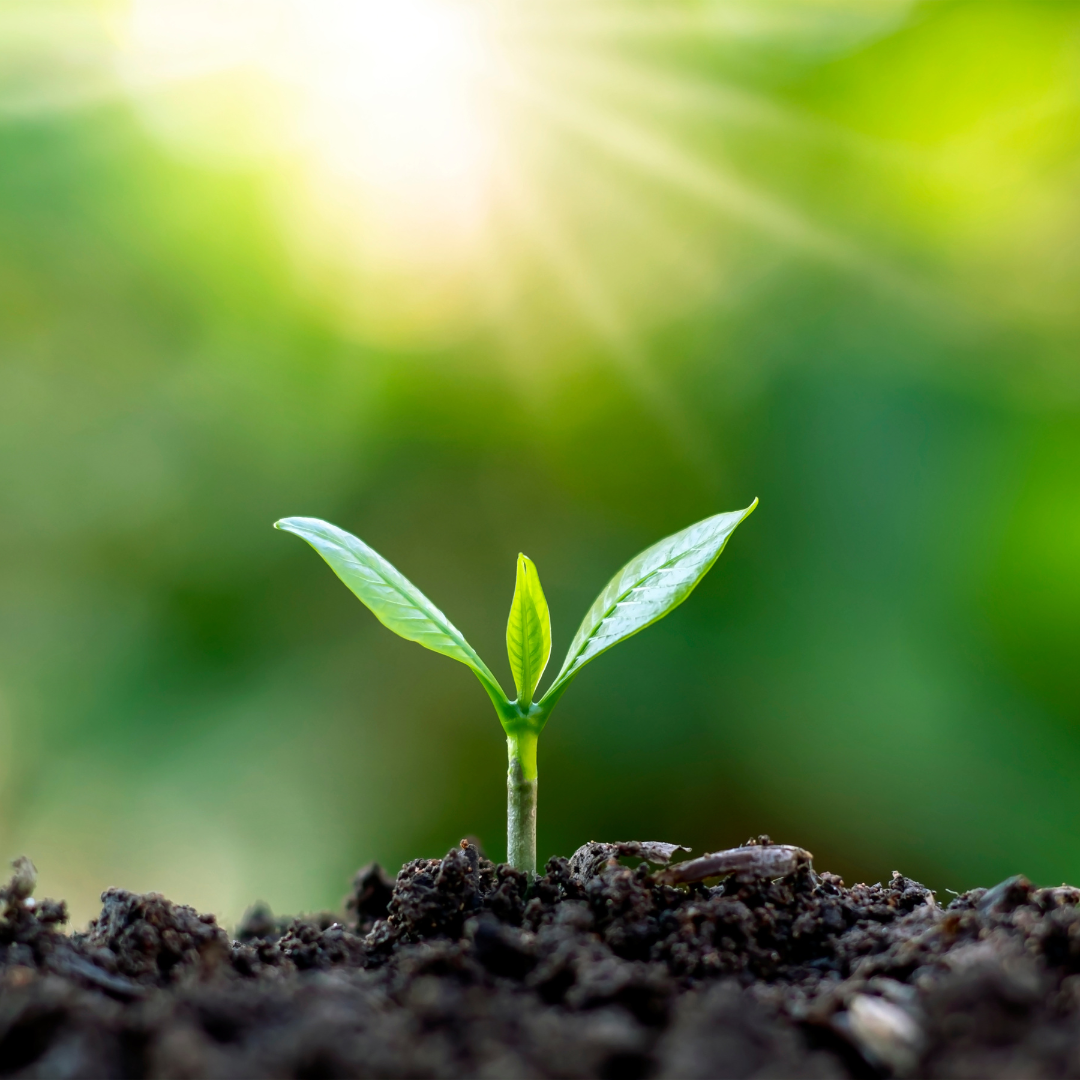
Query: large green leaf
x: 394, y: 600
x: 528, y: 631
x: 646, y: 589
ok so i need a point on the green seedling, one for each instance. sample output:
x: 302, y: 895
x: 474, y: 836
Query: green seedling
x: 646, y: 589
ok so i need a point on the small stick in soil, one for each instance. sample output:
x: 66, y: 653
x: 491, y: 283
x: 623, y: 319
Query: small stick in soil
x: 753, y: 861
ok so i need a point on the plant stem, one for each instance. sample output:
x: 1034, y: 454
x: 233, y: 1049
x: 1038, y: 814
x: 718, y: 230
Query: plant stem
x: 521, y: 801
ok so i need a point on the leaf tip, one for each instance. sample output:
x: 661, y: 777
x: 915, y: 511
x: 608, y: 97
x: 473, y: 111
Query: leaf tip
x: 293, y: 525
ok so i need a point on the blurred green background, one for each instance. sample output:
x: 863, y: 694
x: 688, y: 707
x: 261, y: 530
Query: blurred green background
x: 468, y: 279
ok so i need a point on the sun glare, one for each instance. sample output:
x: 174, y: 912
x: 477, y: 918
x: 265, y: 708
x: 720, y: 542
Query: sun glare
x: 379, y: 101
x: 392, y: 101
x: 399, y: 135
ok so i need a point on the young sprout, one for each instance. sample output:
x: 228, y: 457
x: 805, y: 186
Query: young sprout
x: 648, y: 587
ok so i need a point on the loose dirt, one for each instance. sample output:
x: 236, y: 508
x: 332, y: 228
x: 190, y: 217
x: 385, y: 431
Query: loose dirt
x: 461, y: 968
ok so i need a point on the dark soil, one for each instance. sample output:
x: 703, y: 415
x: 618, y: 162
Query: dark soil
x: 461, y: 968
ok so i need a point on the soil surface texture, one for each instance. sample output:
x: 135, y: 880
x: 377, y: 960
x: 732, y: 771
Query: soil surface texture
x: 598, y: 968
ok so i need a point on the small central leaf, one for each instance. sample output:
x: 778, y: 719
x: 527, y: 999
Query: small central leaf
x: 528, y: 631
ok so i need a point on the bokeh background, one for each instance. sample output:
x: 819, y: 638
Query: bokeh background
x: 469, y: 278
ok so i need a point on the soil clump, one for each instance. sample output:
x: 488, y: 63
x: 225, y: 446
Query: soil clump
x: 463, y: 968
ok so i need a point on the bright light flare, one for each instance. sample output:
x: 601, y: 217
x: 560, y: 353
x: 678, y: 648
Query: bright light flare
x: 401, y: 133
x: 393, y: 101
x: 378, y: 102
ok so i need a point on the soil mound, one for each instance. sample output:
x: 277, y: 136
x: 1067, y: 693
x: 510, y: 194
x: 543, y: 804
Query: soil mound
x: 461, y: 968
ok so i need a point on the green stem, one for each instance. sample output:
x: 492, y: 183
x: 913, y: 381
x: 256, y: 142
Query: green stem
x: 521, y: 801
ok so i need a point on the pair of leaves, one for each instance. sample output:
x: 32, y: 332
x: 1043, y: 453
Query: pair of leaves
x: 652, y: 584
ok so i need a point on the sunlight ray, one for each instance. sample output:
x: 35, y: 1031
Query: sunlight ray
x: 660, y: 158
x: 656, y: 85
x: 601, y: 312
x: 689, y: 97
x: 843, y: 24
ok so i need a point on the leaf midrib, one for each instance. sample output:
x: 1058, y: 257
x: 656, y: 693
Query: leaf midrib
x: 622, y: 596
x: 406, y: 601
x: 529, y: 627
